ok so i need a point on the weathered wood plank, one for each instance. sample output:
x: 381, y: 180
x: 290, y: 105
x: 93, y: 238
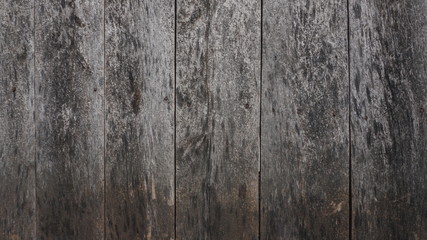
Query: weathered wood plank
x: 17, y: 133
x: 140, y: 119
x: 388, y: 118
x: 69, y: 119
x: 217, y: 97
x: 304, y: 130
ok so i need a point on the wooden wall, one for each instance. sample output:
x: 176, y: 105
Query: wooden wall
x: 213, y: 119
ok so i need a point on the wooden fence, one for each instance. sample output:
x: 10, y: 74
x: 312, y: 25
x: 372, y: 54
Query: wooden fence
x: 213, y: 119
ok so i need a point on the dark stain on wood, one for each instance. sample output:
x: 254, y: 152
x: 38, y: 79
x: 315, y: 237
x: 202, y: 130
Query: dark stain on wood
x: 136, y: 93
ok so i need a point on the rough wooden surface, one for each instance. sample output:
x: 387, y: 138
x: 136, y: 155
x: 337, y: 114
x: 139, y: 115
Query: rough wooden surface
x: 140, y: 119
x: 17, y: 192
x: 389, y: 121
x: 282, y: 135
x: 217, y: 119
x: 304, y: 130
x: 69, y: 119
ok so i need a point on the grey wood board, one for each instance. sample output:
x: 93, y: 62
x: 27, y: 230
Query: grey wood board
x: 217, y: 119
x: 17, y: 133
x: 140, y: 119
x: 388, y: 118
x: 69, y: 92
x: 304, y: 121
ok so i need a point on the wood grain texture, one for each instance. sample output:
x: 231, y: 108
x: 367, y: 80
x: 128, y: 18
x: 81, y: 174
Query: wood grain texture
x: 17, y: 141
x: 304, y: 130
x: 217, y: 125
x: 140, y: 119
x: 388, y: 118
x: 69, y: 118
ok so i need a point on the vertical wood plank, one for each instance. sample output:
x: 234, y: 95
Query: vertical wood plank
x: 304, y: 165
x: 17, y: 141
x: 217, y: 97
x: 69, y: 118
x: 388, y: 118
x: 140, y: 119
